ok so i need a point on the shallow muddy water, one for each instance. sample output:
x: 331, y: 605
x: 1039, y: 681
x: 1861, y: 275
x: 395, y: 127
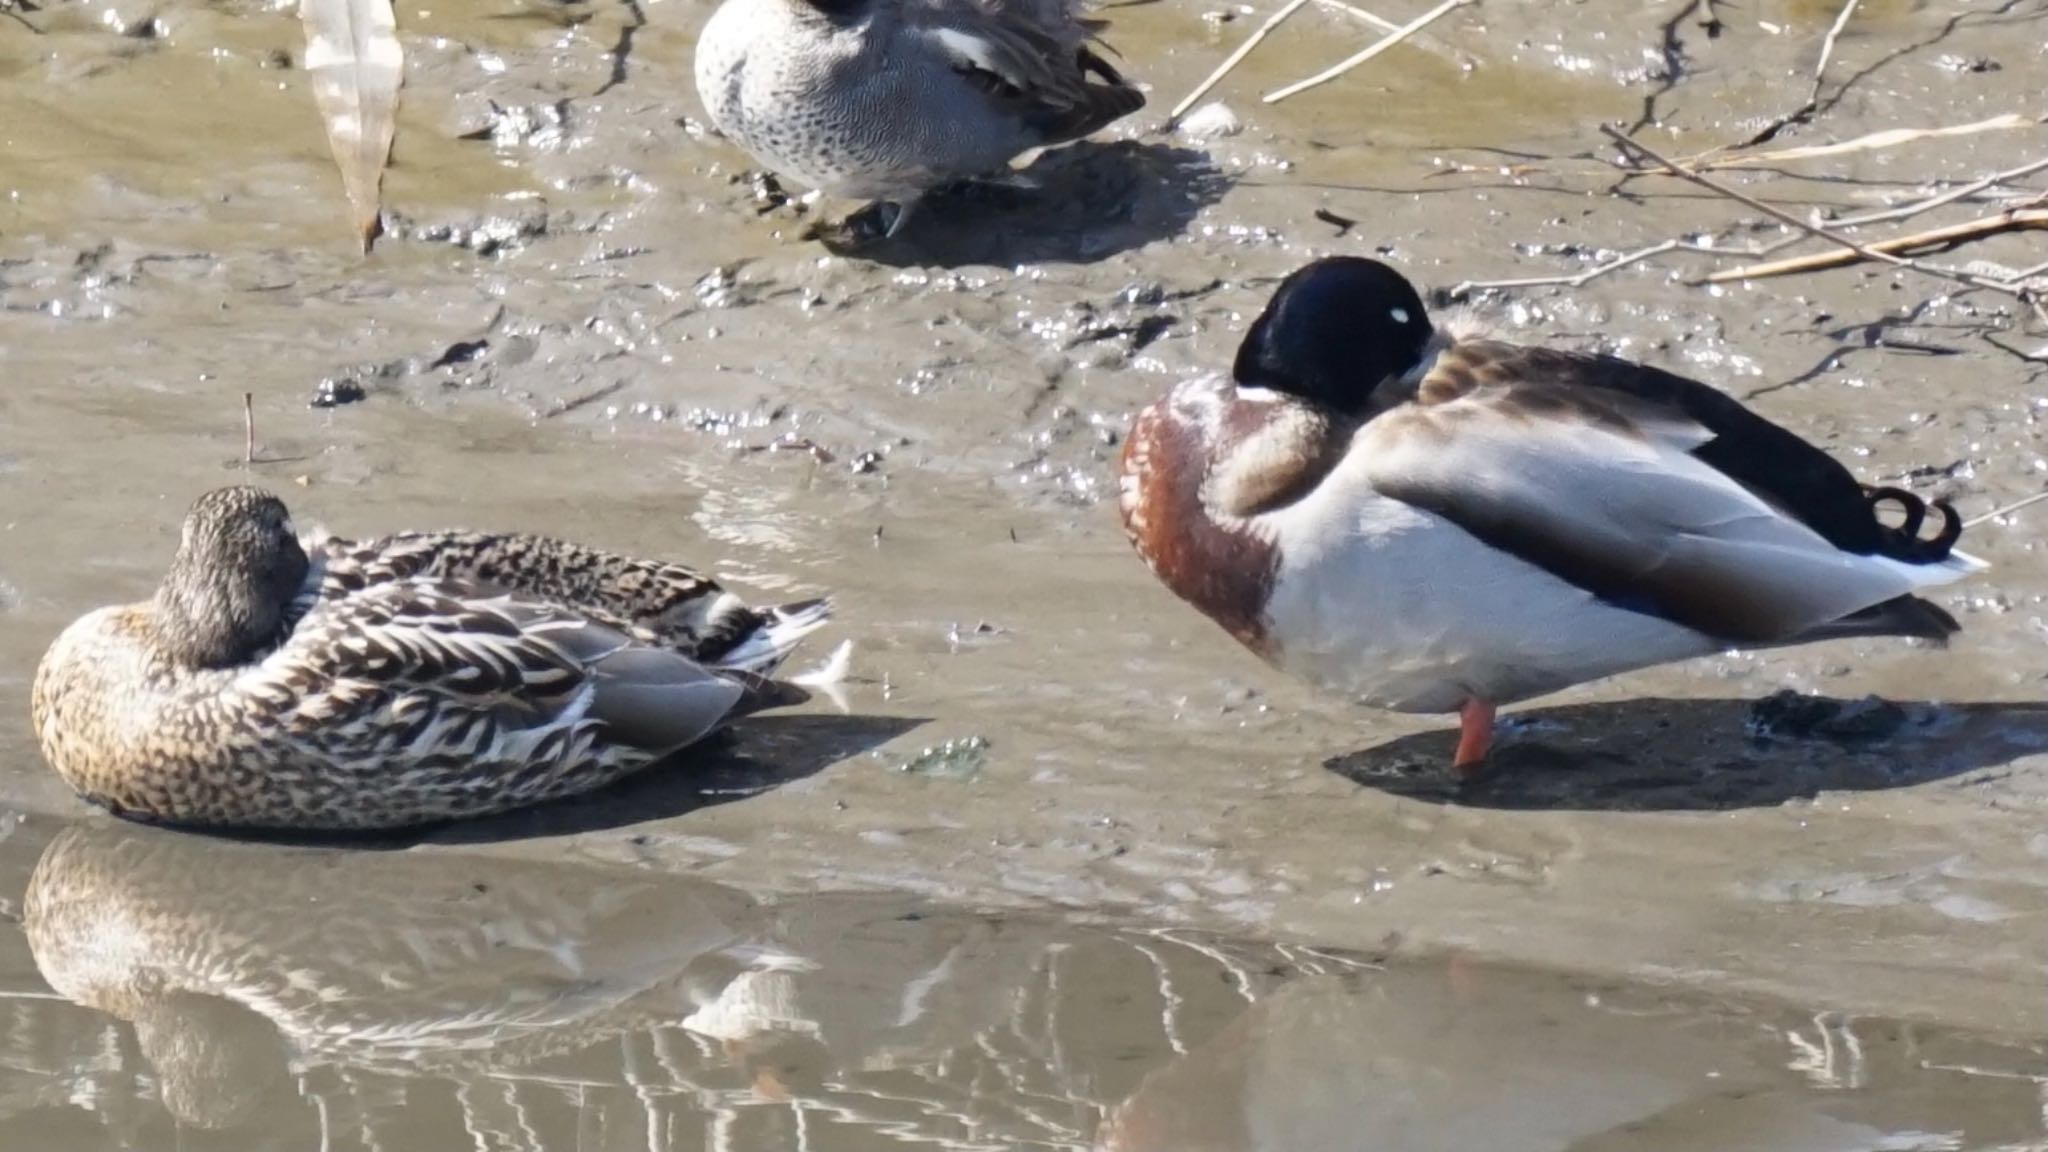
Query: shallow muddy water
x: 581, y: 323
x: 388, y: 1000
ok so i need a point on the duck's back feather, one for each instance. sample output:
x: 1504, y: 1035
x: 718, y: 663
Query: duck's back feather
x: 1032, y: 56
x: 490, y: 677
x: 1775, y: 464
x: 653, y: 601
x: 1653, y: 492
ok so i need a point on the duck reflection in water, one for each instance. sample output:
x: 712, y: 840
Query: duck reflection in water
x: 299, y: 998
x: 241, y: 964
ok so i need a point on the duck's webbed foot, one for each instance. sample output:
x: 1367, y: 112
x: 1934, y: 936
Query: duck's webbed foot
x: 872, y: 223
x: 1475, y: 739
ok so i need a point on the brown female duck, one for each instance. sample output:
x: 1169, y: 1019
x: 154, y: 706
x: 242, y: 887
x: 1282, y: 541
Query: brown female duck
x: 327, y: 684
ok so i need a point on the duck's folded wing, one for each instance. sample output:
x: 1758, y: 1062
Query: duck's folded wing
x: 434, y: 667
x: 1608, y: 491
x: 1032, y: 56
x: 1010, y: 58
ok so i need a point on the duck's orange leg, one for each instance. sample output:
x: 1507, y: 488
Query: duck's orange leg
x: 1475, y: 736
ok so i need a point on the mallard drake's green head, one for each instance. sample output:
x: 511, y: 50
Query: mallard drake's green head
x: 1334, y: 332
x: 239, y: 564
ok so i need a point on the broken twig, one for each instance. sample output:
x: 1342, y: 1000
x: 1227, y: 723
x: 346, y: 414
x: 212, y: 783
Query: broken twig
x: 1862, y: 250
x: 1869, y: 142
x: 1580, y: 279
x: 248, y: 429
x: 1381, y: 23
x: 1377, y: 21
x: 2007, y: 510
x: 1806, y: 110
x: 1949, y: 197
x: 1931, y: 238
x: 1230, y: 62
x: 1386, y: 42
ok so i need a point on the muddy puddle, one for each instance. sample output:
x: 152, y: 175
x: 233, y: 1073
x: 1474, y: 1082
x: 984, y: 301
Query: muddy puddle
x: 158, y: 990
x: 585, y: 322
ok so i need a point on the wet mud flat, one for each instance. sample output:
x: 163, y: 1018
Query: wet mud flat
x: 588, y: 319
x: 399, y: 1000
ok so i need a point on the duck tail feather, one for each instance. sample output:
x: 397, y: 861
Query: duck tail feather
x: 775, y: 637
x: 1908, y: 616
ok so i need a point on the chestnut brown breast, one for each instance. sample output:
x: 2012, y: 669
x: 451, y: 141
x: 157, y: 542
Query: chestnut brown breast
x: 1219, y: 564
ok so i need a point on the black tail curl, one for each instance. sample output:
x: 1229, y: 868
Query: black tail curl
x: 1903, y: 541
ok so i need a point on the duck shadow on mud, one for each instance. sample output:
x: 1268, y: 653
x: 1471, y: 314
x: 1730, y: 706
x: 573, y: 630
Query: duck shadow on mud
x: 1091, y: 200
x: 1676, y: 755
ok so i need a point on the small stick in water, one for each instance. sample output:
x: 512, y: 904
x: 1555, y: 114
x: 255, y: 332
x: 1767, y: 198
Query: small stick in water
x: 1234, y: 59
x: 1379, y: 46
x: 248, y: 429
x: 2007, y: 510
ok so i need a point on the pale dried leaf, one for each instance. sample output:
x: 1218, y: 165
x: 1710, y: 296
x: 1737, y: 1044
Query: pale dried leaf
x: 355, y: 65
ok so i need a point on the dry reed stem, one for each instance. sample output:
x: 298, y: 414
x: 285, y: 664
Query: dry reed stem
x: 1230, y: 63
x: 1860, y: 249
x: 1931, y: 238
x: 1386, y: 42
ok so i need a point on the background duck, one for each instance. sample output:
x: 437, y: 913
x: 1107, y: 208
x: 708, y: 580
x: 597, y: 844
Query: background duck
x: 1432, y: 522
x: 394, y: 682
x: 888, y: 99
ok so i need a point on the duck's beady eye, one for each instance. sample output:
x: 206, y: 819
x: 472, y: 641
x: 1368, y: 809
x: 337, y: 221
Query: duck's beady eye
x: 1400, y: 315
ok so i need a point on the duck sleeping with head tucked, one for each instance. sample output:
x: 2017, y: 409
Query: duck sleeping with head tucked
x: 1434, y: 523
x: 886, y: 100
x: 326, y: 684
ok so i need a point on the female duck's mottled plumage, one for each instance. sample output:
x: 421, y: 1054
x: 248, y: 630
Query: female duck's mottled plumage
x: 393, y: 682
x: 1433, y: 523
x: 653, y: 601
x: 888, y: 99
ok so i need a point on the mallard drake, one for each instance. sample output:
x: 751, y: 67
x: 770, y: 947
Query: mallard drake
x: 888, y: 99
x: 1430, y: 521
x: 328, y: 684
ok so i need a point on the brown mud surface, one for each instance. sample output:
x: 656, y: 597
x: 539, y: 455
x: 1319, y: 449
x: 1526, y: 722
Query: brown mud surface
x: 583, y: 322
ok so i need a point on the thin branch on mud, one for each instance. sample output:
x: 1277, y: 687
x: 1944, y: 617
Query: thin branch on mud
x: 1580, y: 279
x: 1944, y: 237
x: 564, y: 407
x: 1717, y: 158
x: 1860, y: 249
x: 1949, y: 197
x: 2007, y: 510
x: 1386, y: 42
x: 1805, y: 111
x: 1385, y: 25
x: 1377, y: 21
x: 248, y: 429
x: 1231, y: 62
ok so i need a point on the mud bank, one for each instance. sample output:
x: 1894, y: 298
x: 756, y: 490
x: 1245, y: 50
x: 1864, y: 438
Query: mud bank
x: 584, y: 323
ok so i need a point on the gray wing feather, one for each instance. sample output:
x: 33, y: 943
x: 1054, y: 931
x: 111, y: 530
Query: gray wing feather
x: 1034, y: 57
x: 1627, y: 513
x: 656, y: 699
